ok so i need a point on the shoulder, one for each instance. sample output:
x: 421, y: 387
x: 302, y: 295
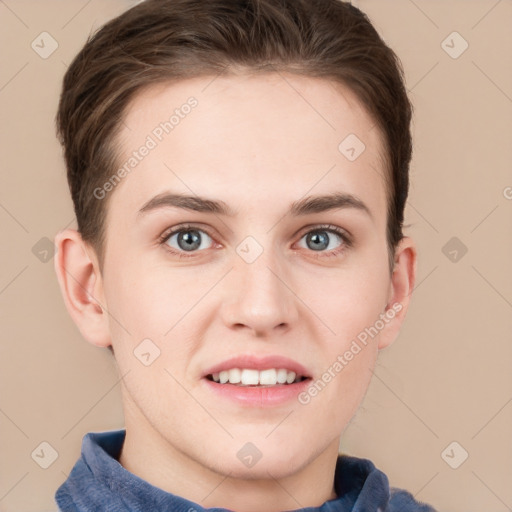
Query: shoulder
x: 360, y: 480
x: 403, y: 501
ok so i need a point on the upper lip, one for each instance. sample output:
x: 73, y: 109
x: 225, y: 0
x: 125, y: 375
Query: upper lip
x: 258, y: 363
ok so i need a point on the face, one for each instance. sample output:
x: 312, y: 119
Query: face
x: 251, y: 273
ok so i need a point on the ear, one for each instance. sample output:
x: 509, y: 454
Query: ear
x: 401, y: 287
x: 81, y: 284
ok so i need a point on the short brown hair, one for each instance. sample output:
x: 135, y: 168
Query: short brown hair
x: 170, y: 40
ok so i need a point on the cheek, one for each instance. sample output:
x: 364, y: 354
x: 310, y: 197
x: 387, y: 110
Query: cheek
x: 156, y: 312
x: 153, y: 342
x: 346, y: 301
x: 153, y: 301
x: 350, y: 305
x: 335, y: 396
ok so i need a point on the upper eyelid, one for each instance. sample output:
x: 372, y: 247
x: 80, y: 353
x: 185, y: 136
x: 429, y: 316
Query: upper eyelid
x: 326, y: 227
x: 186, y: 227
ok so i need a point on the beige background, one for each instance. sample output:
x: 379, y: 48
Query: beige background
x: 447, y: 377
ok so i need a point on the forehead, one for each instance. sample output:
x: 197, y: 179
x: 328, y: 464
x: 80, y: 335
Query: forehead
x: 266, y: 137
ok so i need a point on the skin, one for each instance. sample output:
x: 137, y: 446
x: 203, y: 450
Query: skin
x: 258, y: 143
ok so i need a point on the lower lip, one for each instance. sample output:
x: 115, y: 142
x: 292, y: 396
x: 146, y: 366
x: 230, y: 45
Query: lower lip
x: 258, y: 396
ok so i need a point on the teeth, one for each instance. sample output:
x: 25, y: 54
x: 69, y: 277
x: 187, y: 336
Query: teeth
x: 250, y: 377
x: 281, y: 376
x: 268, y: 377
x: 290, y: 377
x: 235, y: 376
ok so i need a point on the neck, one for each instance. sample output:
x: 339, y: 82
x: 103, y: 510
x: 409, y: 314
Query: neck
x: 148, y: 455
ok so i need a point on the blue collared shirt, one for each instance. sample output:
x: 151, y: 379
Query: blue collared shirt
x: 98, y: 482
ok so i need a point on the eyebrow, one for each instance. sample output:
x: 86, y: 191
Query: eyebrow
x: 308, y: 205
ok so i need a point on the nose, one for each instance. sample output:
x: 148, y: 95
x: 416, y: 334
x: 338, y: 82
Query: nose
x: 259, y: 296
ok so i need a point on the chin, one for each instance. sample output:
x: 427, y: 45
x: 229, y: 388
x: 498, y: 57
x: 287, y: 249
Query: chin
x: 261, y: 459
x: 262, y: 470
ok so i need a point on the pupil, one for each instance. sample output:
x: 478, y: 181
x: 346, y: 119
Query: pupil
x: 319, y: 237
x: 189, y: 240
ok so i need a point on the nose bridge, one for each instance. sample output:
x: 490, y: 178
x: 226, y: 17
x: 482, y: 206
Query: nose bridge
x: 259, y: 298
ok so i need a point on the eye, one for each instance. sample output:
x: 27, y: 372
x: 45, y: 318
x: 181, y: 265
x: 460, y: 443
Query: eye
x: 329, y: 239
x: 186, y: 239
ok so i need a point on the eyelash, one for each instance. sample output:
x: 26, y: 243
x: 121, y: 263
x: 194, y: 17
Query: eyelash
x: 347, y: 241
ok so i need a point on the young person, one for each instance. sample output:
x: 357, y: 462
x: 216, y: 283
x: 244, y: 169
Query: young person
x: 239, y: 171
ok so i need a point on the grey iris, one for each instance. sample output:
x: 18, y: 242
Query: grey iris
x: 318, y: 238
x: 189, y: 240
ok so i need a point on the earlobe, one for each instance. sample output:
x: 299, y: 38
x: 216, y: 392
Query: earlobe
x: 81, y: 286
x: 401, y: 287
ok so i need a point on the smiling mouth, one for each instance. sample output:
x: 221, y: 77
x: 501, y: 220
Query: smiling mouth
x: 256, y: 378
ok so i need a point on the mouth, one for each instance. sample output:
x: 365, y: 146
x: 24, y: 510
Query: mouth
x: 250, y: 377
x: 253, y: 381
